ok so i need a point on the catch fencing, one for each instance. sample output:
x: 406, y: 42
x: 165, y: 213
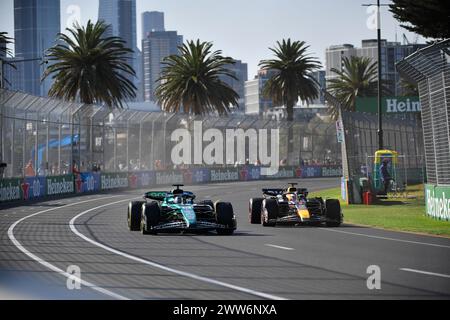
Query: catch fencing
x: 430, y: 69
x: 48, y: 136
x: 50, y: 147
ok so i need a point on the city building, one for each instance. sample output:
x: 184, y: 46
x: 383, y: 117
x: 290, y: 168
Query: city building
x: 320, y: 77
x: 240, y: 71
x: 255, y: 102
x: 391, y: 53
x: 152, y: 21
x: 121, y: 16
x: 155, y: 47
x: 36, y: 26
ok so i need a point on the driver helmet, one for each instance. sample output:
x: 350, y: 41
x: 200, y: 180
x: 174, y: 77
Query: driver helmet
x: 178, y: 200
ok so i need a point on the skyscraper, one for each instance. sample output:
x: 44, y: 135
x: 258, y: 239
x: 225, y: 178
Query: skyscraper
x: 121, y: 16
x: 152, y: 21
x: 391, y: 53
x: 240, y: 71
x: 155, y: 47
x: 36, y: 25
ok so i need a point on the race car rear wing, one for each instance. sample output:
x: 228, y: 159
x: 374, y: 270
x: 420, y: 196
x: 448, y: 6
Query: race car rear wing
x: 272, y: 192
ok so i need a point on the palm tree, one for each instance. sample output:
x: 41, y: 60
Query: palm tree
x: 409, y: 89
x: 293, y: 78
x: 4, y: 41
x: 191, y: 81
x: 90, y: 67
x: 358, y: 78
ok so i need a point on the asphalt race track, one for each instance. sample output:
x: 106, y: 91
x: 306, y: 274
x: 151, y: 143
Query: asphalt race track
x: 40, y: 241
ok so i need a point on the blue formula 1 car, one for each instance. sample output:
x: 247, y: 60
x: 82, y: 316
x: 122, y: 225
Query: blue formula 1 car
x: 177, y: 211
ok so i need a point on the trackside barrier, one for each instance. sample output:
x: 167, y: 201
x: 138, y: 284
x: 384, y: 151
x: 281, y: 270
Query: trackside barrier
x: 31, y: 188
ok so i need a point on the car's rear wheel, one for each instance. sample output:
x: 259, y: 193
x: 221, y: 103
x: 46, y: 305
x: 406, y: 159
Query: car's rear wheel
x: 225, y: 217
x: 333, y: 213
x: 254, y: 210
x: 134, y: 215
x: 151, y: 214
x: 269, y: 212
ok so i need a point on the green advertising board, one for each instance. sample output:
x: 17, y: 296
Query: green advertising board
x: 389, y: 105
x: 437, y: 201
x: 10, y: 189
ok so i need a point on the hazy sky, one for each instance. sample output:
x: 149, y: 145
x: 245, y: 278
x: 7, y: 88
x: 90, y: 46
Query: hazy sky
x: 244, y: 29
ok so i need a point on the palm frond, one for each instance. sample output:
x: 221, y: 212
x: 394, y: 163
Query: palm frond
x: 191, y: 81
x: 293, y: 78
x: 87, y: 65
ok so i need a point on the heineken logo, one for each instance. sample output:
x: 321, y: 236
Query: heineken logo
x: 114, y: 182
x: 10, y: 191
x: 224, y: 175
x: 60, y: 185
x: 395, y: 106
x: 169, y: 178
x: 438, y: 204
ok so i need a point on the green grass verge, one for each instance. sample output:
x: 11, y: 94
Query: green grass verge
x: 393, y: 214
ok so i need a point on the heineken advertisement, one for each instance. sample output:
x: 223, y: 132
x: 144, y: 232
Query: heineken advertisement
x: 23, y: 189
x: 110, y: 181
x: 10, y: 190
x: 437, y: 201
x: 220, y: 175
x: 169, y: 177
x: 283, y: 172
x: 389, y: 105
x: 60, y: 185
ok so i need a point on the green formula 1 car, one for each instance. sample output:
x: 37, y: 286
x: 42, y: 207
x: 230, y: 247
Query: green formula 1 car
x: 177, y: 211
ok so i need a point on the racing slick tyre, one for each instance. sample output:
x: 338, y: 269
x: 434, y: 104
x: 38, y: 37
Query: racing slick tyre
x: 333, y: 213
x: 225, y: 216
x: 269, y: 212
x: 151, y: 214
x: 134, y: 215
x: 254, y: 210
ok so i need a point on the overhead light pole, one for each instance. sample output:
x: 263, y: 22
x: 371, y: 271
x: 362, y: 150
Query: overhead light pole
x: 380, y: 87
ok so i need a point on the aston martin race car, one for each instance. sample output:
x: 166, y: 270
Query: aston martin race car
x: 177, y: 211
x: 292, y: 206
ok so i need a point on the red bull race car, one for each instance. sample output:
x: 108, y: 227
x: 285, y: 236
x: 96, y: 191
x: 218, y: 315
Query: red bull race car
x: 292, y: 206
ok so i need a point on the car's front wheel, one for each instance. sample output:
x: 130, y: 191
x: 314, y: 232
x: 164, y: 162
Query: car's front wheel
x: 225, y: 217
x: 269, y: 212
x: 151, y: 214
x: 254, y: 210
x: 333, y: 213
x: 134, y: 215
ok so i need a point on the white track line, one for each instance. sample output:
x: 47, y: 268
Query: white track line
x: 390, y: 239
x: 51, y: 266
x: 426, y: 272
x: 162, y: 267
x: 279, y: 247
